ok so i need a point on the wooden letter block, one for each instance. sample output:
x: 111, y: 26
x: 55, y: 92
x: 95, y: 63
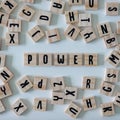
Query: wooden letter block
x: 113, y: 58
x: 89, y: 82
x: 5, y: 91
x: 107, y: 89
x: 104, y: 29
x: 29, y: 1
x: 36, y: 33
x: 108, y: 109
x: 24, y: 84
x: 30, y: 59
x: 2, y: 60
x: 72, y: 32
x: 19, y: 107
x: 27, y: 13
x: 117, y: 100
x: 75, y: 59
x: 91, y: 4
x: 85, y: 20
x: 73, y: 110
x: 12, y: 39
x: 88, y: 34
x: 111, y: 75
x: 40, y: 82
x: 8, y: 5
x: 71, y: 17
x: 89, y: 103
x: 57, y: 98
x: 14, y: 25
x: 3, y: 19
x: 2, y: 108
x: 110, y: 40
x: 60, y: 59
x: 70, y: 93
x: 57, y: 84
x: 40, y: 104
x: 75, y: 2
x: 91, y: 59
x: 5, y: 74
x: 45, y: 59
x: 112, y: 8
x: 118, y: 27
x: 44, y: 18
x: 57, y: 6
x: 53, y: 35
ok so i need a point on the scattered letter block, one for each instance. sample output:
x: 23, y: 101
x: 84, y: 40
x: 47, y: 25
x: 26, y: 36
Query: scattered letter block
x: 75, y: 2
x: 28, y: 1
x: 2, y: 108
x: 117, y: 100
x: 91, y: 4
x: 118, y: 27
x: 2, y: 60
x: 3, y: 18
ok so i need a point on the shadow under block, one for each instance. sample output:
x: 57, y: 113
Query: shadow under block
x: 2, y: 108
x: 57, y: 6
x: 26, y: 13
x: 73, y: 110
x: 36, y: 33
x: 107, y: 109
x: 40, y: 82
x: 107, y: 88
x: 3, y: 19
x: 111, y: 75
x: 5, y: 74
x: 91, y: 4
x: 24, y: 84
x: 117, y: 100
x: 19, y: 107
x: 2, y: 60
x: 5, y: 91
x: 40, y: 104
x: 74, y: 2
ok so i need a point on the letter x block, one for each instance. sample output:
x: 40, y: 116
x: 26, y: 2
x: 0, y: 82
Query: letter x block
x: 2, y: 108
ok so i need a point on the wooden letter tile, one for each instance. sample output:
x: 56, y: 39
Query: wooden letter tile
x: 2, y: 108
x: 19, y: 107
x: 2, y: 60
x: 75, y: 2
x: 89, y: 103
x: 36, y: 33
x: 3, y: 19
x: 118, y: 27
x: 40, y: 82
x: 40, y: 104
x: 117, y: 100
x: 91, y: 4
x: 88, y: 34
x: 73, y: 110
x: 24, y: 84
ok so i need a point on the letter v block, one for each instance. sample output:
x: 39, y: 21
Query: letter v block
x: 5, y: 74
x: 24, y: 84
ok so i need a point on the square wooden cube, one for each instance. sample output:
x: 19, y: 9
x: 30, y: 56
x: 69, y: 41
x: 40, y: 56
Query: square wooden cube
x: 60, y: 59
x: 14, y: 25
x: 57, y: 6
x: 111, y: 75
x: 30, y: 59
x: 107, y: 89
x: 5, y: 74
x: 108, y: 109
x: 91, y: 4
x: 113, y: 58
x: 29, y: 1
x: 57, y: 98
x: 117, y: 100
x: 88, y: 34
x: 2, y: 60
x: 19, y: 107
x: 2, y: 108
x: 118, y: 27
x: 4, y: 19
x: 12, y: 39
x: 44, y: 18
x: 72, y: 32
x: 85, y: 20
x: 89, y: 82
x: 75, y: 59
x: 89, y: 103
x: 36, y: 33
x: 53, y: 35
x: 24, y: 84
x: 112, y: 8
x: 26, y: 13
x: 70, y: 93
x: 71, y: 16
x: 40, y: 82
x: 8, y: 5
x: 40, y: 104
x: 5, y: 91
x: 57, y: 83
x: 104, y: 29
x: 73, y: 110
x: 75, y: 2
x: 91, y: 59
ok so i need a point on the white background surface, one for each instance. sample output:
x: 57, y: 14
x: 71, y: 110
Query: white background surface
x: 73, y: 75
